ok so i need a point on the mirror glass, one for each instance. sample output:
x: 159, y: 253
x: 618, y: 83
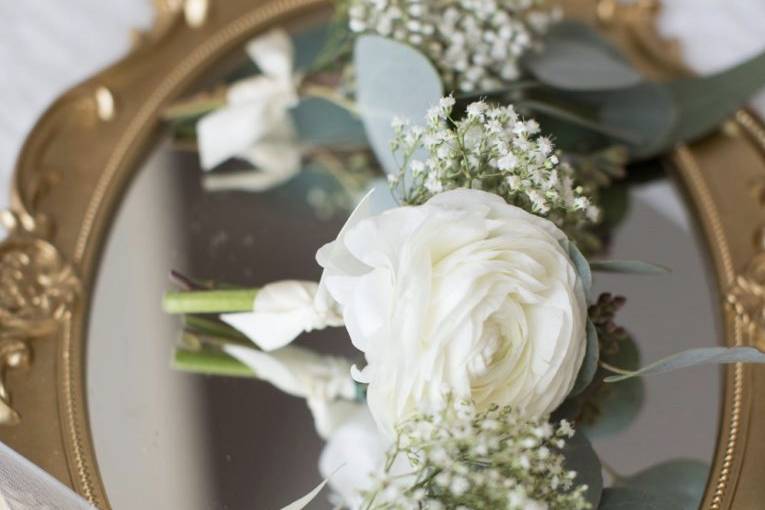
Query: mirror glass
x: 179, y: 440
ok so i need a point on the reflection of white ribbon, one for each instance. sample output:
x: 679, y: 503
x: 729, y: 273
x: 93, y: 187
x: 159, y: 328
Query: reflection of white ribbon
x: 359, y: 448
x: 283, y: 310
x: 256, y: 125
x: 324, y: 381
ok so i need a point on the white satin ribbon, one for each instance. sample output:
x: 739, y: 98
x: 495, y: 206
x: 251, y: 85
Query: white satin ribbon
x: 256, y: 124
x: 282, y: 311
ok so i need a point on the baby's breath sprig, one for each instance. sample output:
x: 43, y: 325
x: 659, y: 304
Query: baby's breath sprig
x: 461, y: 458
x: 489, y: 148
x: 475, y: 44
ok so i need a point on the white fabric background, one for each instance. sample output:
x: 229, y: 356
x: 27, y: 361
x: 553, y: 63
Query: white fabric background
x: 48, y: 46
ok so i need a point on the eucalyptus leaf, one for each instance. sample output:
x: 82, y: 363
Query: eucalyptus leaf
x: 703, y: 103
x: 615, y: 204
x: 319, y: 122
x: 627, y: 267
x: 680, y: 111
x: 590, y: 363
x: 306, y: 500
x: 575, y: 57
x: 684, y: 477
x: 392, y: 80
x: 582, y: 267
x: 641, y: 117
x: 580, y: 457
x: 618, y: 404
x: 695, y: 357
x: 581, y: 119
x: 620, y: 498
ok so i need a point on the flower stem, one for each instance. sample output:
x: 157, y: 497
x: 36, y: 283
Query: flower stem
x: 209, y: 363
x: 205, y: 326
x: 614, y: 369
x: 579, y: 119
x: 328, y: 94
x: 210, y: 301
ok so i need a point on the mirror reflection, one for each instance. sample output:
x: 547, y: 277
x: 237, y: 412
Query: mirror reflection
x: 182, y: 440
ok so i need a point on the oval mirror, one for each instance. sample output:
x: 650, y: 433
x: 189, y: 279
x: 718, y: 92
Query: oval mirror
x: 100, y: 406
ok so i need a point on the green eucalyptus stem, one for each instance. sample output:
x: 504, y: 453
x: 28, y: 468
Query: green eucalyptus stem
x: 194, y: 108
x: 578, y: 119
x: 208, y: 362
x: 615, y: 370
x: 209, y: 301
x: 507, y: 90
x: 328, y: 94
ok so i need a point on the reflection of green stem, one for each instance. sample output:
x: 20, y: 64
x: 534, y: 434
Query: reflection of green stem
x: 328, y: 94
x: 193, y: 108
x: 615, y: 370
x: 211, y: 327
x: 516, y: 86
x: 210, y: 363
x: 210, y: 301
x: 578, y: 119
x: 199, y: 341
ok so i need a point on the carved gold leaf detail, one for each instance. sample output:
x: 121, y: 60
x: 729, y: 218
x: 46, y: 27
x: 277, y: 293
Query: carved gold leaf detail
x: 37, y: 290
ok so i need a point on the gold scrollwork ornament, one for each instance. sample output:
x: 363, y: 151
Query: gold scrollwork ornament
x: 37, y: 290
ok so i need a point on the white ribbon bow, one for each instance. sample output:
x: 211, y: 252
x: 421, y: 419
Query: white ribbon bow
x: 256, y: 124
x: 282, y: 311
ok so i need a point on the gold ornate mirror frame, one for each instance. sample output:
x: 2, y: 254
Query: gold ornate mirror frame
x: 82, y: 154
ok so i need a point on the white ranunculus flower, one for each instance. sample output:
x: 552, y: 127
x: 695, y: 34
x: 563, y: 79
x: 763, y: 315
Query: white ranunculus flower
x: 464, y: 294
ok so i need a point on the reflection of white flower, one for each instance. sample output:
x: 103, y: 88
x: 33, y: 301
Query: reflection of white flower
x: 256, y: 124
x: 324, y: 381
x: 465, y: 294
x: 353, y: 452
